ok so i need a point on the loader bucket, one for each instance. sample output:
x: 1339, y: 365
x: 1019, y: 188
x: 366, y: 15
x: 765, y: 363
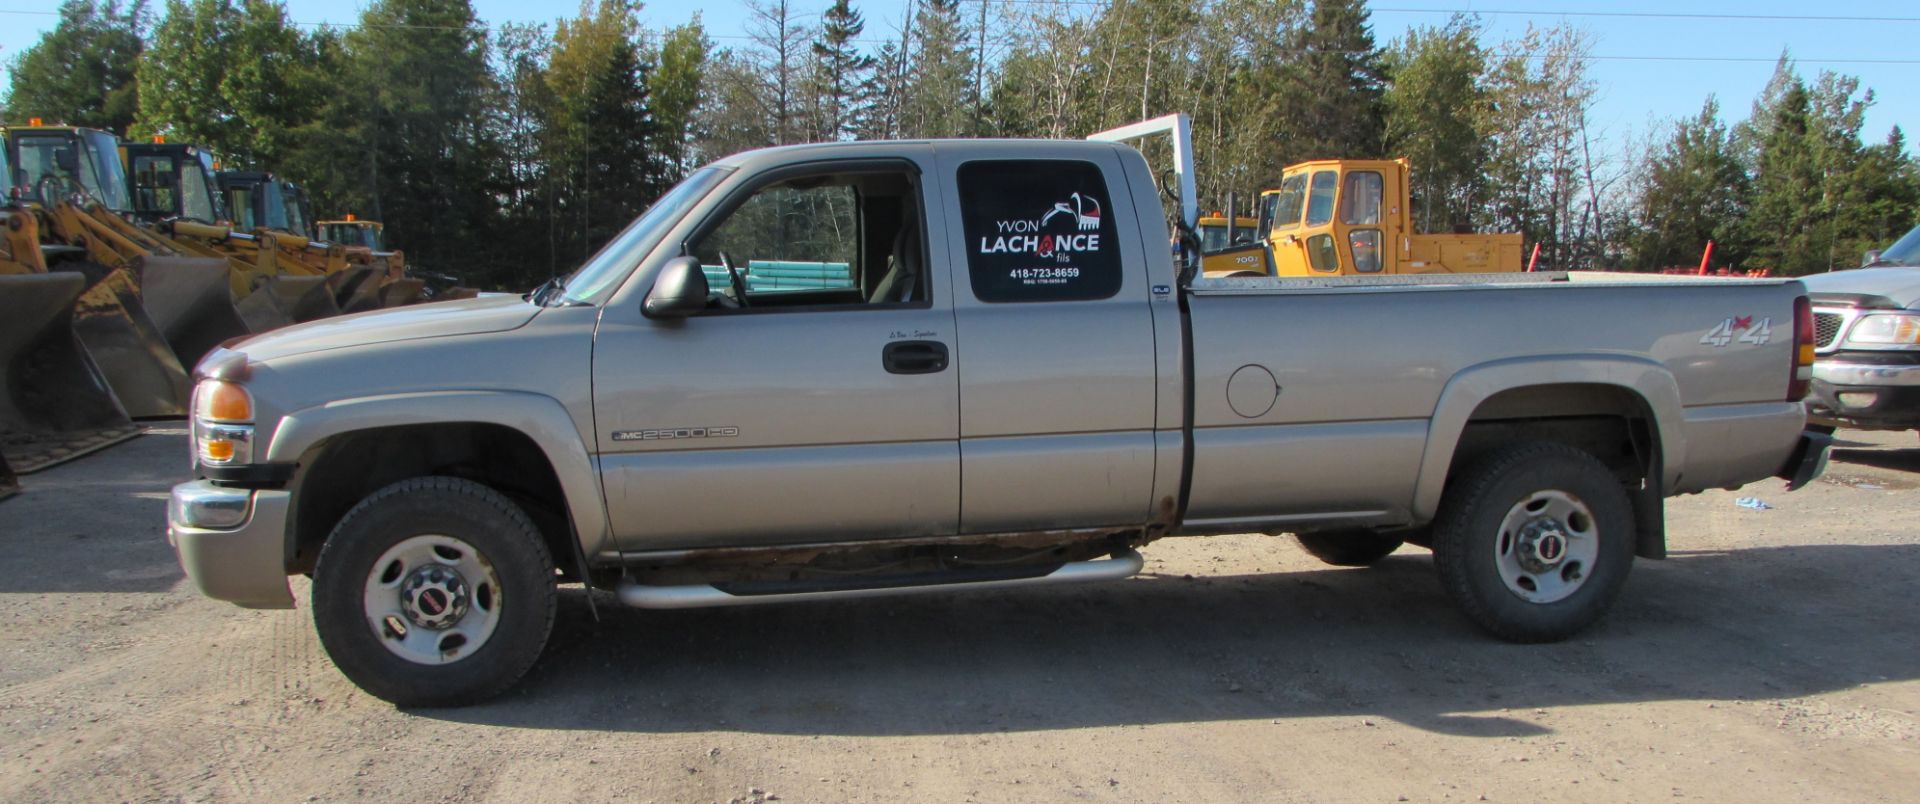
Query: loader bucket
x: 401, y: 292
x: 189, y: 300
x: 122, y: 340
x: 357, y: 289
x: 307, y: 298
x: 54, y: 403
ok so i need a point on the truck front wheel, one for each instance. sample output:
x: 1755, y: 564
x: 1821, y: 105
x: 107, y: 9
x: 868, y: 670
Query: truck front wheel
x: 434, y: 591
x: 1534, y: 541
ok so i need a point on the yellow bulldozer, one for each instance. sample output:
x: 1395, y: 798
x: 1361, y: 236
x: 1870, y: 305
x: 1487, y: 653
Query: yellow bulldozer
x: 1339, y: 217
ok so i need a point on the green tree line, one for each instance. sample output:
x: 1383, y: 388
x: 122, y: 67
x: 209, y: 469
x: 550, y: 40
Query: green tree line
x: 502, y: 154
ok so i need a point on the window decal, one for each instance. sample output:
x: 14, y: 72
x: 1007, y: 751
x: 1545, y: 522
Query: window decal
x: 1038, y: 230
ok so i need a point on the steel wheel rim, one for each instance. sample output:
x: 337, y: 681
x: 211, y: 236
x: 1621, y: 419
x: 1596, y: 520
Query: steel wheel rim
x: 1546, y: 547
x: 432, y: 599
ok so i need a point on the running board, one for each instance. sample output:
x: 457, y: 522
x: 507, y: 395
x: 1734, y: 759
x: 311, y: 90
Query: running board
x: 697, y: 596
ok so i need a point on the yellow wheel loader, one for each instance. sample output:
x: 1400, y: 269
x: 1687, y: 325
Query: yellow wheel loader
x: 67, y: 176
x: 54, y: 401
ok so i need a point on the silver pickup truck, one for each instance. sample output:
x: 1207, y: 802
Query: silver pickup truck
x: 1017, y: 388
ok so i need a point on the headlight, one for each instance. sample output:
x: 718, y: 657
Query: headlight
x: 1886, y: 329
x: 222, y: 424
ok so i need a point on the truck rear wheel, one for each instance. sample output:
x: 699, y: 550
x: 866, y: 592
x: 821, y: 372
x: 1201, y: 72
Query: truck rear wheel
x: 1348, y: 548
x: 434, y: 591
x: 1533, y: 542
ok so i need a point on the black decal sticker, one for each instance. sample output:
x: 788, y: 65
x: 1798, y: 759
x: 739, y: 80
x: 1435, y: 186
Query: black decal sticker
x: 1038, y: 230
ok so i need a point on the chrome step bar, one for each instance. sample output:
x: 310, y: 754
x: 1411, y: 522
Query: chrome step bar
x: 698, y: 596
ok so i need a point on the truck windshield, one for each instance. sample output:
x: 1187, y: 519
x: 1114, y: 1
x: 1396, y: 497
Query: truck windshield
x: 1292, y: 200
x: 1905, y: 251
x: 607, y: 267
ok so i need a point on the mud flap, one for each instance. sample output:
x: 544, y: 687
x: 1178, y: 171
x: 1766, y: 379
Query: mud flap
x: 190, y: 301
x: 54, y: 403
x: 124, y: 343
x: 10, y: 485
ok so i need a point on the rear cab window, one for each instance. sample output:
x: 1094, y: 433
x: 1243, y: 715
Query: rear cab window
x: 1038, y: 230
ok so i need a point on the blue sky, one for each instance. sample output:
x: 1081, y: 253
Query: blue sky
x: 1648, y: 68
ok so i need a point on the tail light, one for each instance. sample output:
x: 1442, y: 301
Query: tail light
x: 1800, y: 373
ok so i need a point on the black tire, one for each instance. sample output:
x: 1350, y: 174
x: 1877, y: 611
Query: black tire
x: 1349, y: 548
x: 503, y: 536
x: 1467, y: 540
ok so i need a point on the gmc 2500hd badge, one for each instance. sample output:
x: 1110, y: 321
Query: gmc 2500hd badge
x: 670, y: 433
x: 1723, y: 334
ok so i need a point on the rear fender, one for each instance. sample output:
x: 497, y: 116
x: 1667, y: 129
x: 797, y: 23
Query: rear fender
x: 1472, y: 386
x: 541, y: 418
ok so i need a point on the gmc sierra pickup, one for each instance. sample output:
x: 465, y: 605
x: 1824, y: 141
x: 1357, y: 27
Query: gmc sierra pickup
x: 1016, y: 388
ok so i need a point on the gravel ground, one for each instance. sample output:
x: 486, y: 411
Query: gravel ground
x: 1772, y: 658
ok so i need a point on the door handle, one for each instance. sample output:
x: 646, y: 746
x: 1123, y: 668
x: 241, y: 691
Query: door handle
x: 914, y: 357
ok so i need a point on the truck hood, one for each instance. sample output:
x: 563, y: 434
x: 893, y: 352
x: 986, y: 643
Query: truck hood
x: 1866, y: 287
x: 491, y: 313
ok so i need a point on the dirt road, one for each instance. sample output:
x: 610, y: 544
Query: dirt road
x: 1775, y: 657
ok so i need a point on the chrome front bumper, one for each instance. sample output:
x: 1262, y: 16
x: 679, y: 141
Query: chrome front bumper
x: 232, y: 542
x: 1865, y: 374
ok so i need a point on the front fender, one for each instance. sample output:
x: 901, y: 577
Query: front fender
x: 1647, y: 379
x: 541, y: 418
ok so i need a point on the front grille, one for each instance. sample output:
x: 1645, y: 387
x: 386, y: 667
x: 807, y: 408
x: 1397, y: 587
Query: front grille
x: 1826, y: 328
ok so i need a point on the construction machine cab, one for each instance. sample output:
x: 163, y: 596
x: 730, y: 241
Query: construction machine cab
x: 353, y: 232
x: 1336, y: 217
x: 260, y: 200
x: 51, y: 162
x: 169, y: 181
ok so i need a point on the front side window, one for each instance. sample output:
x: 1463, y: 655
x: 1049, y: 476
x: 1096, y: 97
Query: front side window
x: 786, y: 239
x: 1320, y: 198
x: 1360, y: 199
x: 1038, y: 230
x: 1289, y: 203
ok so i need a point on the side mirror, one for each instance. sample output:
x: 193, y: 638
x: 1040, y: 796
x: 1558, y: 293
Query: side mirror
x: 1871, y: 258
x: 679, y: 291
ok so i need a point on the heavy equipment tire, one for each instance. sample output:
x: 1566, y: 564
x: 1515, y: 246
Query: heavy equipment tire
x: 1534, y: 541
x: 1348, y: 548
x: 434, y: 591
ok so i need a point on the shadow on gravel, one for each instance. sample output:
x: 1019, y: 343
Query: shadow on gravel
x: 97, y: 524
x: 1900, y: 460
x: 1373, y: 643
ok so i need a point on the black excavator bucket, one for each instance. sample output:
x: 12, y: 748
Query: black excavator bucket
x: 402, y: 292
x: 357, y: 288
x: 284, y: 300
x: 54, y: 404
x: 126, y: 345
x: 191, y: 301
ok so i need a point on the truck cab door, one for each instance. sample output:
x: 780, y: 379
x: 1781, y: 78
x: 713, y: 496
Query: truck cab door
x: 1058, y: 365
x: 813, y: 400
